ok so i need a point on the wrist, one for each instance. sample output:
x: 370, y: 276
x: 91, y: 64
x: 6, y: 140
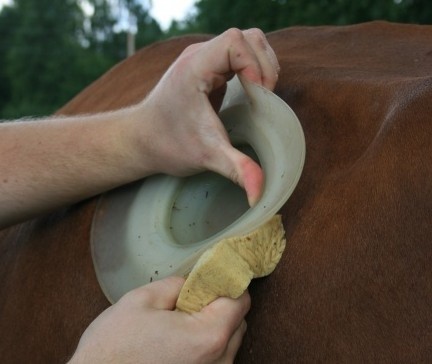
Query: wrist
x: 140, y: 140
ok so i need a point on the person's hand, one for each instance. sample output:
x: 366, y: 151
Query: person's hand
x: 143, y: 328
x: 185, y: 135
x: 174, y: 130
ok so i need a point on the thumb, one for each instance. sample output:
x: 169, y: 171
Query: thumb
x: 242, y: 170
x: 160, y: 295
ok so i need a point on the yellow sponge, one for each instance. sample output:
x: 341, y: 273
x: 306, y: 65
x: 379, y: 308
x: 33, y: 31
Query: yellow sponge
x: 226, y: 269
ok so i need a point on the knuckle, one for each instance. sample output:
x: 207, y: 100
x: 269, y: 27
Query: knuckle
x: 135, y: 297
x: 217, y: 343
x: 132, y: 296
x: 187, y: 55
x: 256, y: 32
x: 234, y: 34
x: 257, y: 35
x: 235, y: 177
x: 191, y: 48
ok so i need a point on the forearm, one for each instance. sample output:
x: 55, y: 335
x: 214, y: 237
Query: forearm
x: 49, y: 163
x: 57, y: 161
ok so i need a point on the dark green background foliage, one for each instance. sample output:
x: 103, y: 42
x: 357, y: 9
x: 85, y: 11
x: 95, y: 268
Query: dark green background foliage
x: 50, y: 49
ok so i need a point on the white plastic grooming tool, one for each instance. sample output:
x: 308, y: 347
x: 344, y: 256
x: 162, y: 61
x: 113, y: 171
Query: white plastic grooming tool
x: 160, y: 226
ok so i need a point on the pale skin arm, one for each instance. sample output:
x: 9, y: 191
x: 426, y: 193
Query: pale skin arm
x: 58, y: 161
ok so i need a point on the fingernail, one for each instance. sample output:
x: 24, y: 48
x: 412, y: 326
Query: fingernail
x: 252, y: 200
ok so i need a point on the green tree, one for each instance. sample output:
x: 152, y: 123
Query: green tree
x: 215, y: 16
x: 50, y: 50
x: 42, y: 56
x: 415, y: 11
x: 148, y: 29
x: 8, y: 18
x: 100, y: 34
x: 107, y: 37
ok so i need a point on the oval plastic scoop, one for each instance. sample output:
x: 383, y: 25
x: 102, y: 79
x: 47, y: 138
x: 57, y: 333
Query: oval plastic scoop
x: 160, y: 226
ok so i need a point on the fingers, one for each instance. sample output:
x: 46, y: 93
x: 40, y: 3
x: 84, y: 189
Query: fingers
x: 160, y: 295
x: 212, y: 335
x: 252, y: 179
x: 239, y: 168
x: 200, y: 142
x: 247, y: 173
x: 248, y: 54
x: 252, y: 57
x: 226, y: 314
x: 266, y: 57
x: 225, y: 327
x: 235, y: 343
x: 242, y: 56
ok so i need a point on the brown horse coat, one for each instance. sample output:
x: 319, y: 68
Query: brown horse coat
x: 355, y: 281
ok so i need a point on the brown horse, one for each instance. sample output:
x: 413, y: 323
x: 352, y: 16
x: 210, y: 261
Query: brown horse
x: 355, y: 281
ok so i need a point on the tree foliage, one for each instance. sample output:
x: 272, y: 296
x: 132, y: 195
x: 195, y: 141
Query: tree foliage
x: 51, y: 49
x: 42, y: 54
x: 215, y: 16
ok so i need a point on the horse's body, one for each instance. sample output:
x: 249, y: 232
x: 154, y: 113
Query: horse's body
x: 355, y: 281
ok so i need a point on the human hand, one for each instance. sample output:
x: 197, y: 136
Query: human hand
x: 143, y: 328
x: 175, y: 130
x: 184, y: 134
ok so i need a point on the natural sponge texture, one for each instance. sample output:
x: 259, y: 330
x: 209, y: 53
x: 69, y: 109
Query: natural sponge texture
x: 226, y: 269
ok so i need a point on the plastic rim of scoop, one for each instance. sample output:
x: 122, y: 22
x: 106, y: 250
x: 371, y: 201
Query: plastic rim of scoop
x: 160, y: 226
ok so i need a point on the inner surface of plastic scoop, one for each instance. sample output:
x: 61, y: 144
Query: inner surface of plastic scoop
x: 159, y: 226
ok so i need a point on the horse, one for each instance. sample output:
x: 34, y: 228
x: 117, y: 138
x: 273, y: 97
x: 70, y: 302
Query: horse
x: 354, y: 283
